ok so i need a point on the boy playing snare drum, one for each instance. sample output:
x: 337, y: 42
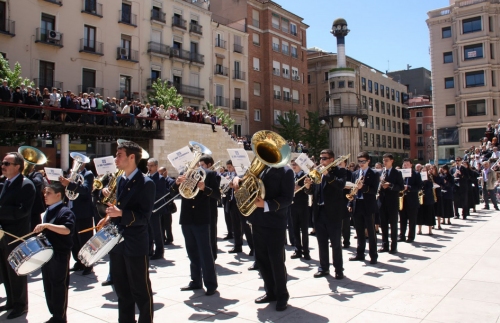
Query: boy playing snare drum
x: 58, y: 225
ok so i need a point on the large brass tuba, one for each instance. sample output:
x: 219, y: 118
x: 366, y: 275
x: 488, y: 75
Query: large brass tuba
x: 32, y: 157
x: 194, y: 173
x: 270, y: 149
x: 76, y: 177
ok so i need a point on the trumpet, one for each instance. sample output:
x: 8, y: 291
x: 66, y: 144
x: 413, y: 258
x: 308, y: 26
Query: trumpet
x: 98, y: 185
x: 316, y: 172
x: 215, y: 166
x: 350, y: 196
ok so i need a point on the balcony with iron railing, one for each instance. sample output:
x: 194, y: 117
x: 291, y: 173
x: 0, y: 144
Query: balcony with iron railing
x: 159, y: 49
x: 90, y: 89
x: 346, y: 110
x: 149, y: 83
x: 92, y: 8
x: 127, y: 18
x: 178, y: 22
x: 295, y: 100
x: 158, y: 15
x: 49, y: 37
x: 277, y: 96
x: 195, y: 28
x: 46, y: 83
x: 220, y: 101
x: 91, y: 47
x: 127, y: 54
x: 237, y: 48
x: 238, y: 75
x: 8, y: 27
x: 220, y: 43
x: 286, y: 97
x: 238, y: 104
x: 189, y: 90
x: 57, y: 2
x: 197, y: 58
x: 221, y: 70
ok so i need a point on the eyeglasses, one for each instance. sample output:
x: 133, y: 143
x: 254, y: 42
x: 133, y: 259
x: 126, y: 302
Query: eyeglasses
x: 294, y: 164
x: 362, y: 161
x: 7, y: 164
x: 324, y: 158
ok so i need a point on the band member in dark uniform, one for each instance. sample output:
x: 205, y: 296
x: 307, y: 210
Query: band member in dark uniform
x: 206, y: 162
x: 346, y: 222
x: 269, y: 223
x: 129, y: 259
x: 84, y: 212
x: 300, y: 216
x: 39, y: 204
x: 240, y: 227
x: 166, y: 222
x: 391, y: 183
x: 155, y: 230
x: 408, y: 216
x: 195, y: 223
x: 58, y: 226
x: 364, y: 206
x: 17, y: 194
x: 230, y: 174
x: 329, y: 210
x: 461, y: 189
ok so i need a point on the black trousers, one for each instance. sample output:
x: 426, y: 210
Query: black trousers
x: 35, y: 220
x: 213, y: 227
x: 199, y: 252
x: 16, y: 287
x: 487, y: 194
x: 55, y: 275
x: 365, y: 218
x: 227, y: 215
x: 132, y: 286
x: 389, y: 218
x: 166, y: 226
x: 461, y: 200
x: 329, y: 231
x: 79, y: 239
x: 407, y: 216
x: 270, y: 258
x: 289, y: 225
x: 155, y: 234
x: 240, y: 226
x: 346, y: 229
x: 300, y: 217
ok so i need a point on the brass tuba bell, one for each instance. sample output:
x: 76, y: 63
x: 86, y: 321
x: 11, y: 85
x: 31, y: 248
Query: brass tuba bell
x: 32, y: 157
x: 270, y: 149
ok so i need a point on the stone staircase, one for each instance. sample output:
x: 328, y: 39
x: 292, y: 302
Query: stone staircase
x: 178, y: 134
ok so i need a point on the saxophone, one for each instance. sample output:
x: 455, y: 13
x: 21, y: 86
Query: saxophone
x: 355, y: 189
x: 421, y: 197
x: 433, y: 188
x: 111, y: 198
x: 401, y: 199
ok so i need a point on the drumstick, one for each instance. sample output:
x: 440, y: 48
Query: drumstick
x: 87, y: 230
x: 22, y: 238
x: 10, y: 234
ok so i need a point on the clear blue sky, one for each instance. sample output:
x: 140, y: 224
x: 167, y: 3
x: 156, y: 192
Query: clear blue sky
x: 381, y: 31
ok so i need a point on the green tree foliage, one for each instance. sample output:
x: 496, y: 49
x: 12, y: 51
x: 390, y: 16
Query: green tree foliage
x: 13, y: 77
x: 164, y: 93
x: 289, y: 126
x: 317, y: 135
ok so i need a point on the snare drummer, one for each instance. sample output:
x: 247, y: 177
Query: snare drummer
x: 58, y: 226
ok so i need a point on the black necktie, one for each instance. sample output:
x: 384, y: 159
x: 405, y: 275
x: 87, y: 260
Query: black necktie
x: 121, y: 186
x: 5, y: 187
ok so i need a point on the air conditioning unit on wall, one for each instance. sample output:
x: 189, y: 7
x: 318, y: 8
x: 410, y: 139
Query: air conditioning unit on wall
x: 53, y: 35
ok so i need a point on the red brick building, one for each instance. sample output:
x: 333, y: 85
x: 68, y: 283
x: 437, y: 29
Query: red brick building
x: 421, y: 129
x: 277, y: 58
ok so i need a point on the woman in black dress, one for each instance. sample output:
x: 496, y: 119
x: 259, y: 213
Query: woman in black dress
x: 426, y: 216
x: 447, y: 193
x: 438, y: 206
x: 473, y: 187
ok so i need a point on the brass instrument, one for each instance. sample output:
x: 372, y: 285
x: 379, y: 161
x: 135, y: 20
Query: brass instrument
x: 421, y: 197
x: 270, y: 149
x: 215, y: 166
x: 97, y: 185
x: 316, y: 172
x: 111, y: 198
x: 194, y: 174
x: 433, y: 188
x: 401, y: 199
x: 32, y: 157
x: 76, y: 177
x: 382, y: 181
x: 354, y: 190
x: 225, y: 188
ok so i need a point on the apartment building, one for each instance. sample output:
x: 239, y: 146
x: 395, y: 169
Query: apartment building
x: 417, y: 80
x: 365, y: 109
x: 465, y: 56
x: 112, y: 47
x: 421, y: 129
x: 229, y: 90
x: 276, y: 58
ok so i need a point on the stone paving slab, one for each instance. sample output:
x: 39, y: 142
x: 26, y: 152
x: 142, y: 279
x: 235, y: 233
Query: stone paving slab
x: 451, y: 276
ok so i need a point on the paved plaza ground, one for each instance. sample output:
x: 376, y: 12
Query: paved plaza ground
x: 451, y: 276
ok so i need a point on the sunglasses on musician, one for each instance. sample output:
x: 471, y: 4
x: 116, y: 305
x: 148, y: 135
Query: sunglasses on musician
x: 7, y: 164
x: 324, y: 158
x: 362, y: 161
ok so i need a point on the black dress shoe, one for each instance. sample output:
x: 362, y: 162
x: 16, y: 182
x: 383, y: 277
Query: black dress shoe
x: 393, y: 251
x: 227, y: 237
x: 410, y: 240
x: 339, y: 276
x: 87, y: 271
x: 76, y: 268
x: 251, y: 253
x: 497, y: 209
x: 312, y: 233
x: 307, y: 256
x: 16, y: 313
x: 265, y: 299
x: 235, y: 250
x: 400, y: 239
x: 6, y: 308
x: 107, y: 283
x: 321, y: 274
x: 210, y: 292
x: 383, y: 250
x: 346, y: 246
x: 167, y: 243
x: 373, y: 261
x: 296, y: 255
x: 281, y: 305
x: 156, y: 257
x: 190, y: 287
x: 253, y: 267
x: 357, y: 258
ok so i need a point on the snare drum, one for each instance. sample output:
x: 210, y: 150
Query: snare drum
x: 100, y: 245
x: 30, y: 255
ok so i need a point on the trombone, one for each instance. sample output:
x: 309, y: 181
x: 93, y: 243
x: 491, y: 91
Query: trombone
x: 316, y: 172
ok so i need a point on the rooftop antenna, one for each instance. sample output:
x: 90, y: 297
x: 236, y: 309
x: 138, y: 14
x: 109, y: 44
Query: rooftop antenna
x: 408, y: 66
x: 388, y: 67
